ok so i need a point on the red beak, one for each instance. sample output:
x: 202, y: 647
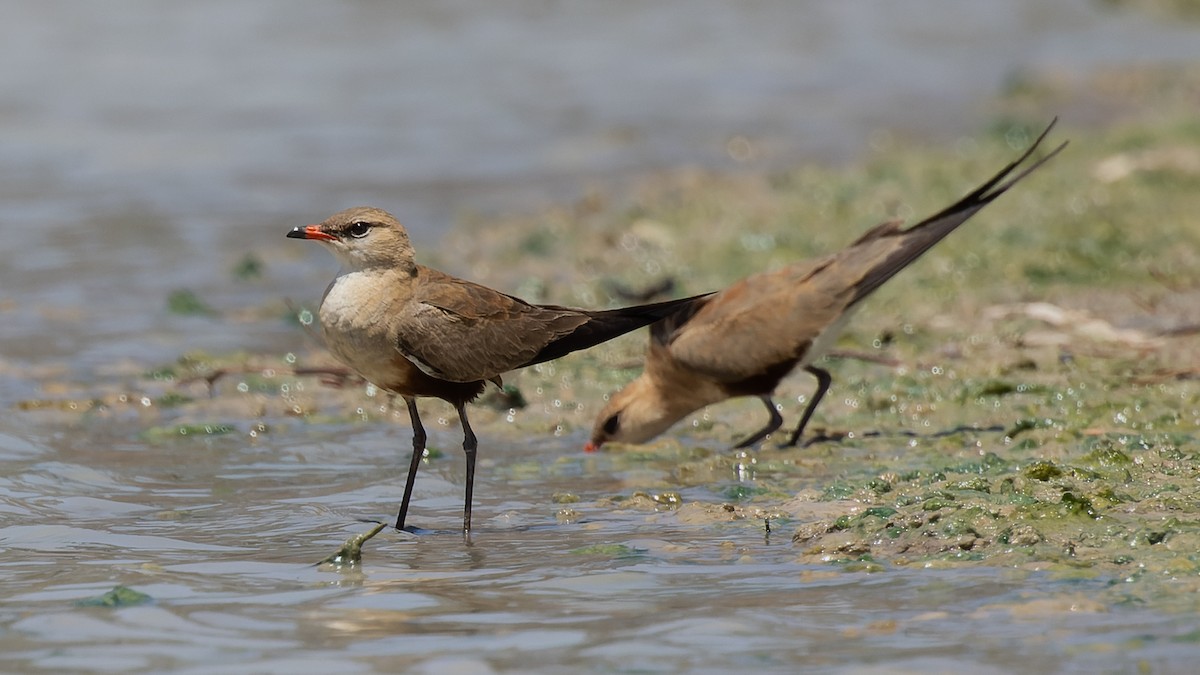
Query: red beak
x: 310, y: 232
x: 591, y: 447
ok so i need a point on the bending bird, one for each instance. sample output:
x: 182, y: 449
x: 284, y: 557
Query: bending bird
x: 743, y: 340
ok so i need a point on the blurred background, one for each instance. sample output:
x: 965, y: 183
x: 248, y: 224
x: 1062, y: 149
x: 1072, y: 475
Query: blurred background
x: 156, y: 432
x: 150, y: 146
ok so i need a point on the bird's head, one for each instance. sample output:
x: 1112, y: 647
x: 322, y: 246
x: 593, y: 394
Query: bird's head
x: 362, y: 238
x: 636, y: 414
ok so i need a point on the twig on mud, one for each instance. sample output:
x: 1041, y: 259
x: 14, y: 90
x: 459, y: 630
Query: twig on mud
x: 1181, y: 331
x: 1166, y: 374
x: 333, y: 376
x: 864, y: 356
x: 827, y: 436
x: 1172, y: 284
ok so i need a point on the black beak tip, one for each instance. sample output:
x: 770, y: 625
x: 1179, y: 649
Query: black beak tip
x: 297, y: 233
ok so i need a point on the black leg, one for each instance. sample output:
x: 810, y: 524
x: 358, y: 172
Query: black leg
x: 470, y: 444
x: 823, y: 382
x: 418, y: 453
x: 773, y: 424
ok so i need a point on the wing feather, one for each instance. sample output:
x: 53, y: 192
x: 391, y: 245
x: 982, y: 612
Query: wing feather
x: 460, y: 331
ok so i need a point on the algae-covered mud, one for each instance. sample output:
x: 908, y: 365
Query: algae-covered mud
x: 1004, y: 476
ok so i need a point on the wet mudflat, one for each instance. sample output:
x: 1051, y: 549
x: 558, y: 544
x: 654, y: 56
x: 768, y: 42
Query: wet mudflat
x: 220, y: 534
x: 1008, y: 475
x: 1007, y: 482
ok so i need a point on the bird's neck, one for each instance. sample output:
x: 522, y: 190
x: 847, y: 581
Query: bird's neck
x: 674, y: 394
x: 388, y: 275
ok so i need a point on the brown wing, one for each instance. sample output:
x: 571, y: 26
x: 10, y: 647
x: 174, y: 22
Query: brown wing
x: 460, y: 331
x: 760, y: 322
x: 770, y: 319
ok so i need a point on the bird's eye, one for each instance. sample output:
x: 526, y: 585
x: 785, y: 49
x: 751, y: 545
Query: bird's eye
x: 611, y: 425
x: 358, y: 229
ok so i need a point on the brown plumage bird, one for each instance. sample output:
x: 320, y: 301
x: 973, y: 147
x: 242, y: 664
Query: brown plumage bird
x: 415, y: 331
x: 745, y: 339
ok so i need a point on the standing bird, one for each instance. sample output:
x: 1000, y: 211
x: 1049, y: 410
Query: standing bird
x: 415, y: 331
x: 745, y: 339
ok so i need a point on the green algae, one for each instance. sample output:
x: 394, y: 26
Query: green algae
x: 249, y: 267
x: 1095, y: 470
x: 609, y: 551
x: 1043, y: 471
x: 743, y: 492
x: 172, y: 399
x: 349, y: 554
x: 186, y: 302
x: 119, y: 596
x: 1188, y: 10
x: 179, y: 431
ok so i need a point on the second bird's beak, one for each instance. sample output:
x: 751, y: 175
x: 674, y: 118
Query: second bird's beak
x: 310, y: 232
x: 591, y: 447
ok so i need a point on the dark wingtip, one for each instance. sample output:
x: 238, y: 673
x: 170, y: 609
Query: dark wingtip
x: 925, y: 234
x: 604, y: 325
x: 1000, y: 182
x: 998, y: 190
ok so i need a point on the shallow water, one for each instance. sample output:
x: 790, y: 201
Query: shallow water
x: 222, y: 534
x: 151, y: 146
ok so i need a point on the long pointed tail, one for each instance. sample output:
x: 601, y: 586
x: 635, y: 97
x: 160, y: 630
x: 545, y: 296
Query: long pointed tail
x: 922, y: 236
x: 605, y: 325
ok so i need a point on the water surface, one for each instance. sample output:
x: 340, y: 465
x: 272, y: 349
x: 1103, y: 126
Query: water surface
x: 151, y: 146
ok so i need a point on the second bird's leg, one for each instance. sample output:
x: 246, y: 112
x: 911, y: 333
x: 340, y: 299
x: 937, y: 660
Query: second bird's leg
x: 824, y: 379
x: 418, y: 453
x: 774, y: 423
x: 470, y: 444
